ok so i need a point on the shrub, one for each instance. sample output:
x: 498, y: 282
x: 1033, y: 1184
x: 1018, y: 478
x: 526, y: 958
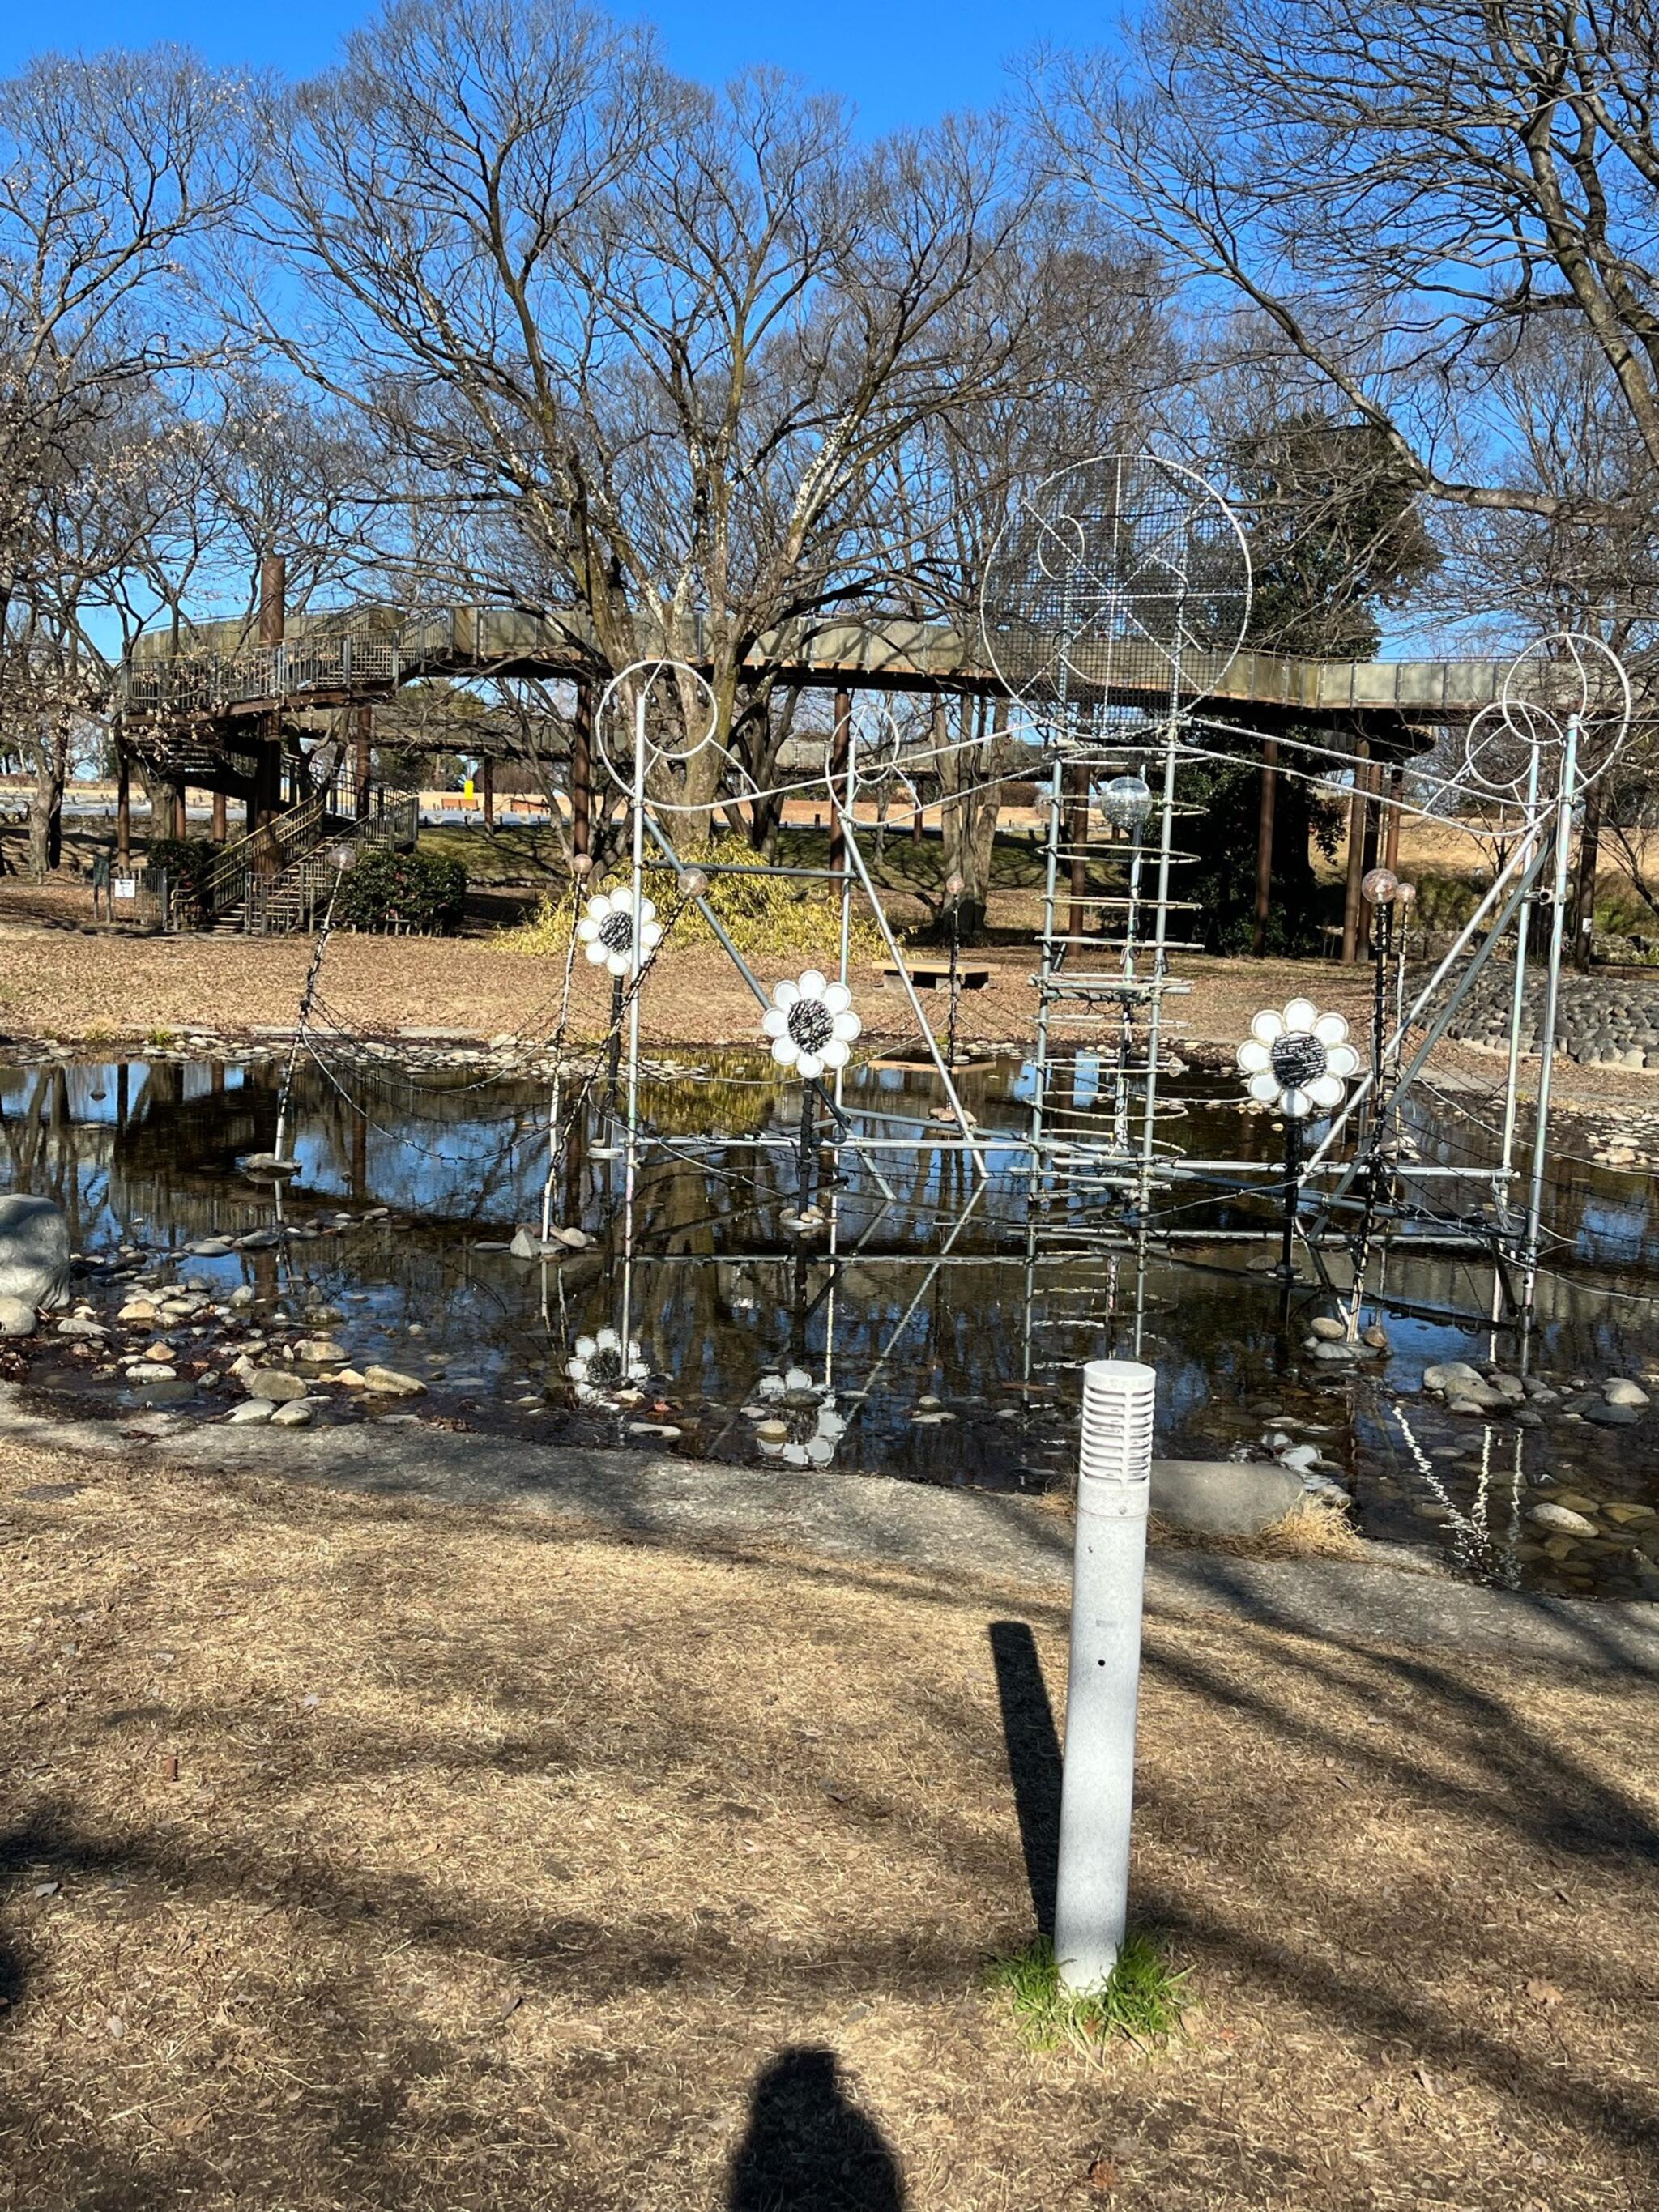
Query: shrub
x: 409, y: 891
x: 189, y: 862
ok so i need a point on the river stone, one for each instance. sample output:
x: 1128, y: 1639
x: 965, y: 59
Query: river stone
x: 243, y: 1295
x: 275, y: 1384
x: 390, y: 1383
x: 17, y: 1317
x: 211, y: 1248
x: 1613, y: 1416
x: 1324, y: 1348
x: 34, y: 1250
x: 1451, y: 1376
x: 253, y: 1409
x: 296, y: 1414
x: 1622, y: 1392
x: 1222, y: 1497
x: 320, y: 1350
x: 1327, y: 1327
x: 151, y: 1370
x: 1562, y: 1519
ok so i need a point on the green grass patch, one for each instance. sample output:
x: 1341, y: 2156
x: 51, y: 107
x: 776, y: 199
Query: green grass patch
x: 1142, y: 1999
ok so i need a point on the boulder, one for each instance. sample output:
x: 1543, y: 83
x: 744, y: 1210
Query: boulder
x: 253, y: 1409
x: 390, y: 1383
x: 17, y: 1317
x: 1222, y: 1497
x: 1327, y: 1327
x: 1562, y: 1519
x: 1622, y: 1392
x: 296, y: 1414
x: 1453, y: 1378
x: 275, y: 1385
x: 34, y: 1251
x: 320, y: 1350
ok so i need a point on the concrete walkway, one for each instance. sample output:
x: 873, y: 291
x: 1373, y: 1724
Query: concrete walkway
x: 961, y: 1536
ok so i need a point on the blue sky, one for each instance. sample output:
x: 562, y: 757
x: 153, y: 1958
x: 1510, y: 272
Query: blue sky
x: 903, y: 62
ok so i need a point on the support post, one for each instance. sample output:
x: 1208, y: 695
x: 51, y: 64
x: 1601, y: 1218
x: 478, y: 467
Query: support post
x: 267, y: 800
x: 1108, y: 1564
x: 1566, y: 799
x: 581, y: 769
x: 123, y: 803
x: 221, y: 818
x: 1264, y: 846
x: 840, y: 747
x: 362, y: 764
x: 1396, y: 810
x: 1356, y: 869
x: 1076, y: 837
x: 486, y: 785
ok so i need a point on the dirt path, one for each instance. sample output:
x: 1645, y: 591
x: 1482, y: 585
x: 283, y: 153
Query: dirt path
x: 375, y: 1853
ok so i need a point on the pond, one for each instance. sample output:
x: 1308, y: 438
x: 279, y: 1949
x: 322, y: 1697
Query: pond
x: 931, y: 1330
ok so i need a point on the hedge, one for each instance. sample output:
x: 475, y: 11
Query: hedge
x: 408, y: 891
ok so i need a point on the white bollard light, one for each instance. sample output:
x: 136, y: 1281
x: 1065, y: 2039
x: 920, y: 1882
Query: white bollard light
x: 1109, y: 1569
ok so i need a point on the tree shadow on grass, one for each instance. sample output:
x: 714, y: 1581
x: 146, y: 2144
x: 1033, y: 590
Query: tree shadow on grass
x: 808, y: 2148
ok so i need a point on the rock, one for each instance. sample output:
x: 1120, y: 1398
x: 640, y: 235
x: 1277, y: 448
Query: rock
x: 1326, y: 1348
x: 666, y: 1430
x: 295, y: 1414
x: 151, y: 1370
x: 1450, y: 1373
x: 1508, y: 1387
x: 1562, y: 1519
x: 254, y: 1409
x: 1611, y: 1417
x: 34, y: 1251
x: 211, y: 1248
x: 1375, y: 1339
x: 137, y: 1313
x: 17, y: 1317
x: 1327, y: 1327
x: 76, y: 1325
x: 351, y: 1378
x: 320, y: 1350
x: 243, y: 1295
x: 275, y: 1384
x: 1300, y: 1458
x: 577, y: 1240
x: 772, y: 1433
x: 258, y: 1240
x: 1222, y: 1497
x: 389, y: 1384
x: 1629, y: 1516
x: 527, y: 1245
x: 1621, y: 1392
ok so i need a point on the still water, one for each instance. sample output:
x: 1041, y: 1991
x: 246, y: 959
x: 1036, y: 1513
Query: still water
x: 928, y: 1331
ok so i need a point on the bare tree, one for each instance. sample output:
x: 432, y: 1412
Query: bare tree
x: 673, y: 336
x: 1404, y: 195
x: 110, y: 169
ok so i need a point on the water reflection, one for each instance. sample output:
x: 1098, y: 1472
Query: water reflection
x: 932, y: 1333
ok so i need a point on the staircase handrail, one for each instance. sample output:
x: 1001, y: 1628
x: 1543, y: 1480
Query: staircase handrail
x: 268, y: 851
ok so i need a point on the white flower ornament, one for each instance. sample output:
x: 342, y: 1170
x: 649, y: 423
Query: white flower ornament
x: 606, y: 929
x: 1299, y: 1060
x: 814, y: 1440
x: 600, y: 1366
x: 812, y: 1025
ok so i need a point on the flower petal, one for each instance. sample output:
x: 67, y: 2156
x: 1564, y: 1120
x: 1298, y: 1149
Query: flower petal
x: 809, y: 1066
x: 1264, y: 1086
x: 1296, y: 1104
x: 785, y: 1050
x: 600, y: 907
x: 1254, y: 1056
x: 1341, y: 1059
x: 813, y: 983
x: 1327, y: 1091
x: 596, y: 952
x: 785, y: 993
x: 1332, y: 1028
x: 609, y: 1341
x: 847, y: 1027
x: 1301, y: 1014
x: 775, y: 1021
x: 1267, y: 1026
x: 836, y: 1053
x: 837, y: 997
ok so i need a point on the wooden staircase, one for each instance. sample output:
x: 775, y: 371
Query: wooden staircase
x: 280, y: 880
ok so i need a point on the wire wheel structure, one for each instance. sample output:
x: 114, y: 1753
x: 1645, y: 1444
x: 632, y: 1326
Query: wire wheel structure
x: 1123, y: 580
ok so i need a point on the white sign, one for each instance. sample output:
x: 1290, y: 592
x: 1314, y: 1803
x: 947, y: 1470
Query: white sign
x: 124, y: 887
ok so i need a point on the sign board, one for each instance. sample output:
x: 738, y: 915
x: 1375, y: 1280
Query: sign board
x: 124, y: 887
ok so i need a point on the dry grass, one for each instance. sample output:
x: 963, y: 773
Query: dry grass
x: 369, y: 1855
x: 1316, y: 1527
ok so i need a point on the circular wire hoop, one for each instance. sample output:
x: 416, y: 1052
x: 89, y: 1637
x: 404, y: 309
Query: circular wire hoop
x: 1123, y: 580
x: 636, y: 682
x: 1567, y: 677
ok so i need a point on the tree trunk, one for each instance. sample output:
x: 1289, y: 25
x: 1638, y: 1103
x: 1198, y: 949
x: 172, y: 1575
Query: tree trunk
x: 46, y: 808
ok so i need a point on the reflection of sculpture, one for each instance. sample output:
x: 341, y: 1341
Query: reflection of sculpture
x: 819, y: 1427
x: 600, y: 1366
x: 812, y: 1025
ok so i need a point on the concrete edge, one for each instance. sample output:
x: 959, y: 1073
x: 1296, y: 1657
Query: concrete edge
x: 961, y: 1537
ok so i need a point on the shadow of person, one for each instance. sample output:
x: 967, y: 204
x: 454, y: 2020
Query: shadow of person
x: 808, y: 2148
